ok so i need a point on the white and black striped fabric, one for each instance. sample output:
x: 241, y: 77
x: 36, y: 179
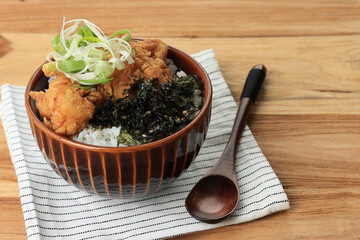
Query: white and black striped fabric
x: 54, y: 210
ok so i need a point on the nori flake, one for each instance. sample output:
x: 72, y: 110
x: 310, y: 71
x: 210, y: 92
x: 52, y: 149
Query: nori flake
x: 151, y: 110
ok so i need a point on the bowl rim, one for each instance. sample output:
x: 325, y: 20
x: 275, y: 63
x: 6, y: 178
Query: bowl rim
x: 158, y: 143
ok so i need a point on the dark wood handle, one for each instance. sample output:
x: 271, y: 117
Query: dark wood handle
x: 225, y: 166
x: 253, y: 82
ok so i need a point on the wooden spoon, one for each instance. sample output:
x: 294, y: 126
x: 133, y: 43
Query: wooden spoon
x: 216, y: 195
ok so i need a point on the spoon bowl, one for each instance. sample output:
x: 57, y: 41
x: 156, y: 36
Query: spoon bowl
x: 213, y: 197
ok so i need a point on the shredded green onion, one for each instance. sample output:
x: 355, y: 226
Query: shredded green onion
x: 85, y: 31
x: 71, y: 66
x: 86, y: 55
x: 122, y: 31
x: 89, y: 39
x: 55, y: 44
x: 93, y: 82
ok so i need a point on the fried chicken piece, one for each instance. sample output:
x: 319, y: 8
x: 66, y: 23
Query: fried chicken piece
x: 153, y: 48
x: 156, y: 68
x: 63, y: 107
x: 121, y: 81
x: 41, y: 104
x: 150, y: 59
x: 149, y: 62
x: 95, y: 97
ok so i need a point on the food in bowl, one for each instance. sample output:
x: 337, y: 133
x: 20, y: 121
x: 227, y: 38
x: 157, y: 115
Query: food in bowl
x: 114, y: 91
x: 122, y: 172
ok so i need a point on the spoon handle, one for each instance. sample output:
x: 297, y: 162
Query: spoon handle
x: 226, y: 164
x: 253, y: 82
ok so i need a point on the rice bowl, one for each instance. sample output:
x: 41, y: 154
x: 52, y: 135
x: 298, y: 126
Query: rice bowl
x: 123, y: 172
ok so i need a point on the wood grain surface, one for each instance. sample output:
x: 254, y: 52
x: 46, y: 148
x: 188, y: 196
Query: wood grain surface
x: 307, y: 116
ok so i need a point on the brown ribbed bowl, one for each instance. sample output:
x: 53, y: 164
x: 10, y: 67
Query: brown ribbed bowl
x: 123, y: 172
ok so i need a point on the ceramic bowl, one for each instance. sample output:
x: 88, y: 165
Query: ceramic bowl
x: 123, y: 172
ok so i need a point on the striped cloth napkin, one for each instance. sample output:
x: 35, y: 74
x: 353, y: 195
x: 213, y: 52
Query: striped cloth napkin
x: 54, y: 210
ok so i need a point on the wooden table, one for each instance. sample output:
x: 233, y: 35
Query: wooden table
x: 307, y: 117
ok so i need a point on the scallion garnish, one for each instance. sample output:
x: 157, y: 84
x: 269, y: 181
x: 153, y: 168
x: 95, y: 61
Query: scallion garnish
x: 120, y: 32
x: 71, y: 66
x: 86, y: 55
x: 85, y: 31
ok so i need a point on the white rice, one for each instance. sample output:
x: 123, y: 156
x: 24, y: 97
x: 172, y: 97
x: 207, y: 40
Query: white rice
x: 171, y: 65
x: 105, y: 137
x: 108, y: 136
x: 181, y: 74
x: 197, y: 98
